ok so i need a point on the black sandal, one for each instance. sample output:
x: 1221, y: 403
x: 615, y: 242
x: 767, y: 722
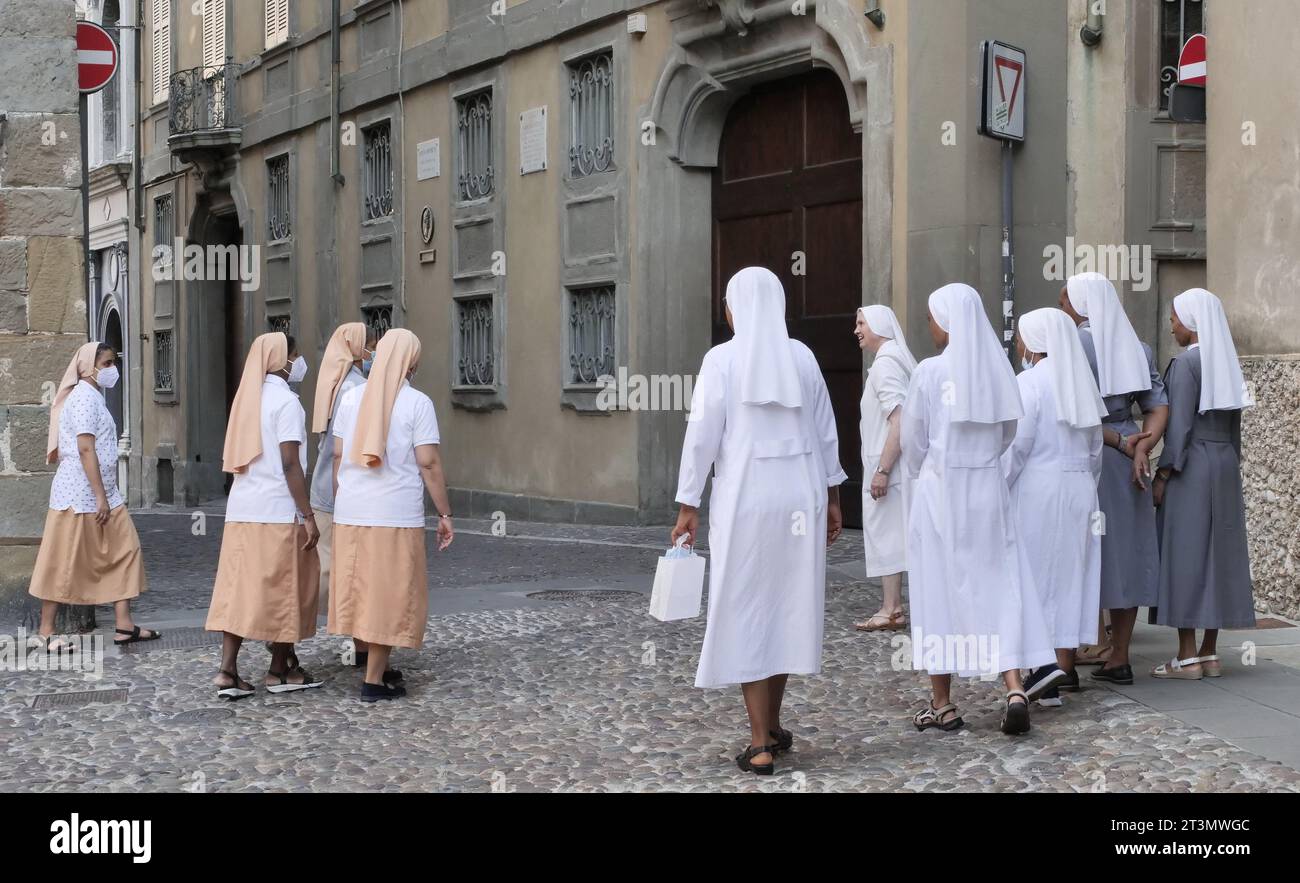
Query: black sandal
x: 134, y: 636
x: 1015, y: 717
x: 745, y: 759
x: 784, y: 739
x: 237, y: 688
x: 308, y: 682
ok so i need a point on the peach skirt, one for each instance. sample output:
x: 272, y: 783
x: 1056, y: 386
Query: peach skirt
x: 379, y: 591
x: 266, y: 584
x: 80, y: 562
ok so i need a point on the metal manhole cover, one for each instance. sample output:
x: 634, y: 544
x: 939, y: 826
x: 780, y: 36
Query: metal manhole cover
x: 203, y: 716
x: 177, y: 639
x: 586, y: 595
x: 77, y: 700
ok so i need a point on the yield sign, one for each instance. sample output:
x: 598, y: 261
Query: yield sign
x: 1191, y: 61
x: 1009, y: 71
x: 97, y: 57
x: 1002, y: 91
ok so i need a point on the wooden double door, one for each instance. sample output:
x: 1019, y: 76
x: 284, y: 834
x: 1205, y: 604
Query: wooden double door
x: 787, y: 195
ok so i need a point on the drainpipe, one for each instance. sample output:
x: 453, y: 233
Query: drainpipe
x: 1090, y: 33
x: 136, y: 160
x: 335, y: 171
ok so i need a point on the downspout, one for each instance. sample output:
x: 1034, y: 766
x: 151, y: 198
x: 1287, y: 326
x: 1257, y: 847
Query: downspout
x: 136, y: 160
x: 1090, y: 33
x: 335, y: 171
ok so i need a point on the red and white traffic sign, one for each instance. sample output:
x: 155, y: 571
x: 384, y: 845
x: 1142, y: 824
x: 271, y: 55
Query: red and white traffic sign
x: 1191, y: 61
x: 1002, y: 101
x: 97, y: 57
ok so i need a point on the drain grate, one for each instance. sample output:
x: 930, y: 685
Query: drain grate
x: 202, y: 716
x: 586, y: 595
x: 77, y: 700
x: 177, y: 639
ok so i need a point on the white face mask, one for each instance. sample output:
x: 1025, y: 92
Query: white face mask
x: 108, y: 377
x: 298, y: 370
x: 1026, y: 364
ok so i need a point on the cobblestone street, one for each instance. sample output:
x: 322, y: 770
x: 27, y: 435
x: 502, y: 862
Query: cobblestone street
x: 523, y: 694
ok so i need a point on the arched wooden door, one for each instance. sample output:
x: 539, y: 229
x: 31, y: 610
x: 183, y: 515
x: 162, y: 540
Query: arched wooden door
x: 787, y: 195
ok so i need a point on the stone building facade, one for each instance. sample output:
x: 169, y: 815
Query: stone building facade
x: 42, y: 278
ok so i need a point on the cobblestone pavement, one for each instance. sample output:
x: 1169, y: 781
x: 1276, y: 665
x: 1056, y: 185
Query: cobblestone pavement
x: 580, y: 696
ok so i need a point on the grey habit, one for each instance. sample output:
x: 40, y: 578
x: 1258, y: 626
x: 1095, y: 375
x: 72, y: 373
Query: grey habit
x: 1204, y: 563
x: 1130, y: 547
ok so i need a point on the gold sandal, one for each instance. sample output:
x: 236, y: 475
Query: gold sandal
x: 891, y: 622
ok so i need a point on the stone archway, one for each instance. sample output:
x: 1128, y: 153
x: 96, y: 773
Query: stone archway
x: 721, y: 50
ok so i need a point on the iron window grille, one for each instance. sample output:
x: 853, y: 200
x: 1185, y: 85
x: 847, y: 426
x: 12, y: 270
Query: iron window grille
x: 475, y: 178
x: 278, y: 323
x: 591, y: 115
x: 591, y: 333
x: 476, y: 350
x: 378, y: 319
x: 1179, y: 20
x: 279, y: 209
x: 378, y: 176
x: 162, y: 361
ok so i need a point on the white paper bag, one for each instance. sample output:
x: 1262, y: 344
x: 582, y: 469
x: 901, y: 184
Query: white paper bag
x: 679, y: 585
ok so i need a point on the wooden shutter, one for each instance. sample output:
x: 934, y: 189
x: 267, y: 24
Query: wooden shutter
x: 277, y: 22
x: 214, y: 34
x: 161, y: 34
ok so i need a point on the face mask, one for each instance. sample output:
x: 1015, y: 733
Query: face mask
x: 1025, y: 364
x: 298, y: 370
x: 108, y: 377
x: 367, y: 364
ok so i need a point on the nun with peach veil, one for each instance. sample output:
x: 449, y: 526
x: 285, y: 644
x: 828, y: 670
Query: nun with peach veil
x: 761, y: 420
x: 1204, y: 559
x: 268, y: 573
x: 974, y: 610
x: 90, y: 552
x: 386, y: 456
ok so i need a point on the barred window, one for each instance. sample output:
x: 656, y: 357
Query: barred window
x: 162, y: 220
x: 162, y: 361
x: 278, y: 323
x: 476, y: 351
x: 378, y: 176
x: 1179, y: 20
x: 591, y: 333
x: 474, y: 177
x: 278, y: 207
x: 378, y: 319
x: 591, y: 115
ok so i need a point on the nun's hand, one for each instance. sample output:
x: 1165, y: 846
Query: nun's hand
x: 313, y: 534
x: 688, y: 525
x: 879, y: 486
x: 101, y: 511
x: 834, y: 522
x: 445, y: 533
x: 1158, y: 490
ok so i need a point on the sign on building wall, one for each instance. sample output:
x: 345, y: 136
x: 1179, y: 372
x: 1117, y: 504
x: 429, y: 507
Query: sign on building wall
x: 428, y: 160
x: 532, y: 140
x: 1002, y: 104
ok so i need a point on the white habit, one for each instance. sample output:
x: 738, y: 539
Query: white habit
x: 767, y: 510
x: 884, y: 521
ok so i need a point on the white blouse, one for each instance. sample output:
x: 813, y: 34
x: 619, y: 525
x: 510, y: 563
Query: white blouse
x: 85, y: 413
x: 391, y: 494
x: 260, y: 493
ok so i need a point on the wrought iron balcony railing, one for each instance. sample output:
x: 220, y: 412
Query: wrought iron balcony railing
x: 203, y: 100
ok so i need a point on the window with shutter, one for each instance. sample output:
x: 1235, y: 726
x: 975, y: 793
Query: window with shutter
x: 277, y: 22
x: 161, y: 49
x: 214, y: 34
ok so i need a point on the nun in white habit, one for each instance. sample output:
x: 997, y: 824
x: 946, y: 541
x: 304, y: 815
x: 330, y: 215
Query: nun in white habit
x: 884, y: 504
x: 1052, y: 469
x: 1204, y: 561
x: 1126, y: 374
x: 761, y: 419
x: 974, y: 611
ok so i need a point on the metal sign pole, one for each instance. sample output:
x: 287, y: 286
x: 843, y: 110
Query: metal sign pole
x: 1008, y: 259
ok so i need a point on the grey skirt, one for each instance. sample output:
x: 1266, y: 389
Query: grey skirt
x: 1130, y: 547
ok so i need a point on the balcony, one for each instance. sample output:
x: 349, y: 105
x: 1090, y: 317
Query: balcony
x: 203, y: 114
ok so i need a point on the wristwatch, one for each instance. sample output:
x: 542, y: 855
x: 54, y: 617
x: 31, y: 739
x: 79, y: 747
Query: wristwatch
x: 884, y: 472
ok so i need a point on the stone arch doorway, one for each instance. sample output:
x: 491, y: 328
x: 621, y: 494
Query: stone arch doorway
x: 111, y: 334
x: 787, y: 195
x: 215, y: 329
x: 723, y: 51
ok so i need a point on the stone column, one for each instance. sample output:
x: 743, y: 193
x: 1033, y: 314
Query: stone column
x: 42, y: 273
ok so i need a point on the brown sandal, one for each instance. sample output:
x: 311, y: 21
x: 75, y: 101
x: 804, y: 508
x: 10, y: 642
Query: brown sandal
x: 882, y: 622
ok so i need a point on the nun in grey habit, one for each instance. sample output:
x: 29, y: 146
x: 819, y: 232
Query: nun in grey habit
x: 1204, y: 563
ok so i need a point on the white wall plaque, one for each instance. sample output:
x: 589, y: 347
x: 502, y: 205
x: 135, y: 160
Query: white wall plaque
x: 532, y: 140
x: 428, y: 160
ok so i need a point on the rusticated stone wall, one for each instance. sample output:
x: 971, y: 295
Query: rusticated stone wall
x: 42, y: 276
x: 1270, y: 472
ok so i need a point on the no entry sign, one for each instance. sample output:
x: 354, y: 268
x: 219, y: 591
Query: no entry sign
x: 97, y: 57
x: 1191, y: 61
